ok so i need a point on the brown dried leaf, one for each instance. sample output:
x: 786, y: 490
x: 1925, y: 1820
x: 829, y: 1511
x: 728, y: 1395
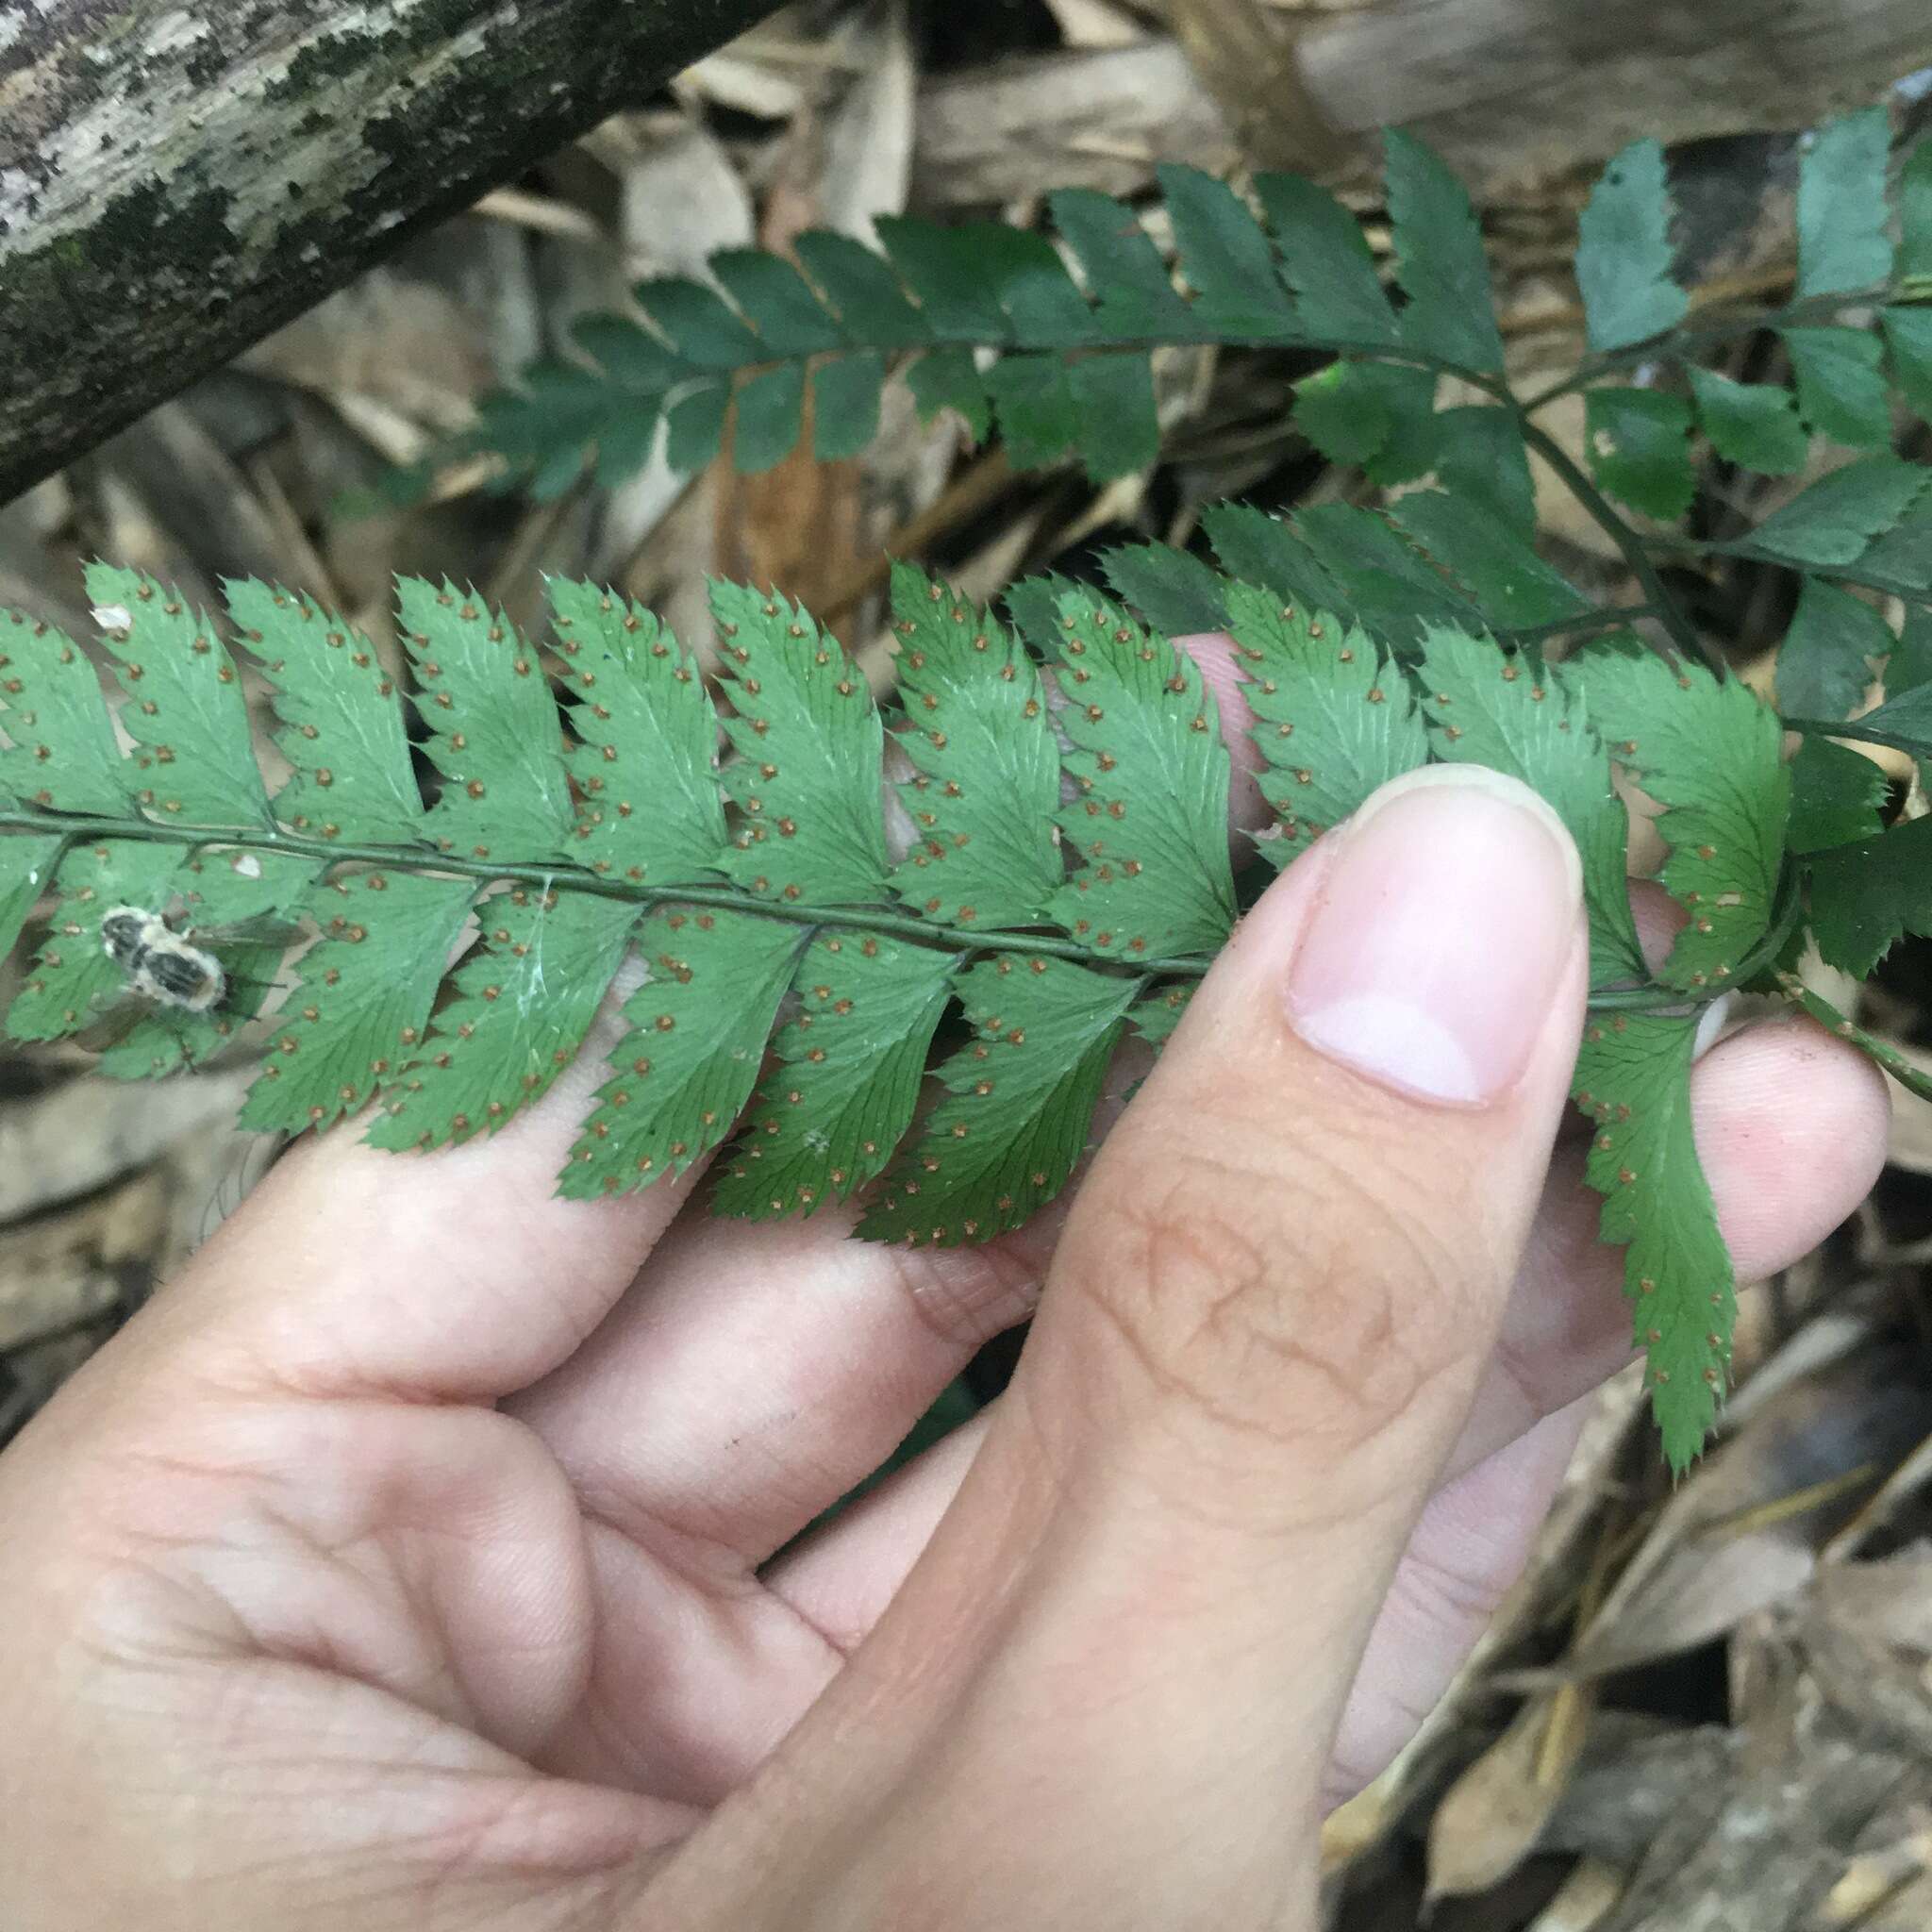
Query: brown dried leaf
x: 1494, y: 1813
x: 62, y: 1270
x: 80, y: 1136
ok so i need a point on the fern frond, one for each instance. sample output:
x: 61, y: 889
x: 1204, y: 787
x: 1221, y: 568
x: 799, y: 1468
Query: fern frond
x: 1062, y: 867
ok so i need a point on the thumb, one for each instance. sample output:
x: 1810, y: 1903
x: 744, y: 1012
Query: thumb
x: 1123, y: 1657
x: 1278, y: 1287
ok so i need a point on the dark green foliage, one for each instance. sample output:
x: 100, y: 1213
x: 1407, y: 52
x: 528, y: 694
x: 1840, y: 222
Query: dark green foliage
x: 1624, y: 252
x: 1842, y: 392
x: 982, y: 806
x: 1672, y: 726
x: 1333, y: 716
x: 1837, y: 797
x: 1151, y: 775
x: 1438, y: 246
x: 1864, y: 897
x: 1513, y: 715
x: 1060, y: 874
x: 1837, y: 518
x: 1638, y: 447
x: 1842, y: 218
x: 1830, y: 654
x: 1019, y: 1102
x: 1753, y: 425
x: 1633, y: 1081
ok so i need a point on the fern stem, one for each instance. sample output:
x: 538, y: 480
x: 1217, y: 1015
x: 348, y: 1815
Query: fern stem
x: 564, y: 876
x: 1608, y: 618
x: 1678, y: 344
x: 1666, y: 608
x: 1734, y: 552
x: 1861, y: 733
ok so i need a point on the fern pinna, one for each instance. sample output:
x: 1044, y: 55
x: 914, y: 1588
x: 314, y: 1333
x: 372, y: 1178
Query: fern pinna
x: 1026, y: 858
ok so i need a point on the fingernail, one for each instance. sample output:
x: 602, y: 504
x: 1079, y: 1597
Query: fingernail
x: 1444, y: 929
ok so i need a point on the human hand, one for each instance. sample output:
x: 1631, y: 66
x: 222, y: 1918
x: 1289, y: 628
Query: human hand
x: 406, y: 1562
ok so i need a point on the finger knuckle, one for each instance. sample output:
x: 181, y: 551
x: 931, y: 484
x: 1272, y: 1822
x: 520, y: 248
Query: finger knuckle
x: 964, y: 1296
x: 1275, y: 1290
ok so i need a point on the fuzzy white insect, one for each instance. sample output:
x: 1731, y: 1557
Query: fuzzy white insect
x: 158, y: 963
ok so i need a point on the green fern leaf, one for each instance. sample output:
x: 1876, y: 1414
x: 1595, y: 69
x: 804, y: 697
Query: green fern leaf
x: 809, y: 745
x: 1325, y: 258
x: 1915, y: 217
x: 1624, y: 252
x: 951, y: 379
x: 61, y: 752
x: 1899, y: 559
x: 1842, y: 213
x: 1837, y: 518
x: 1909, y: 335
x: 689, y: 1064
x: 494, y: 734
x: 850, y: 1062
x: 1386, y: 583
x: 342, y: 727
x: 1633, y: 1079
x: 1443, y: 269
x: 1259, y: 549
x: 1134, y: 297
x: 1155, y: 1017
x: 364, y: 995
x: 1478, y: 454
x: 769, y: 415
x: 1174, y: 591
x: 1637, y: 443
x: 1034, y: 402
x: 788, y: 317
x: 1904, y: 721
x: 698, y: 322
x: 1152, y: 772
x: 845, y: 396
x: 694, y: 426
x: 1709, y: 753
x: 26, y: 869
x: 1830, y: 653
x: 1350, y: 409
x: 72, y: 981
x: 857, y: 282
x: 1865, y: 897
x: 954, y: 273
x: 185, y: 709
x: 1513, y: 588
x: 989, y: 775
x: 1116, y: 426
x: 1512, y: 714
x: 1838, y: 796
x: 1226, y: 258
x: 1019, y: 1104
x: 1334, y: 717
x: 1842, y: 390
x: 526, y: 998
x: 1753, y: 425
x: 648, y: 766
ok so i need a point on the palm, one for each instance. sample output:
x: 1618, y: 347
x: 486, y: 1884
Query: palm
x: 429, y: 1540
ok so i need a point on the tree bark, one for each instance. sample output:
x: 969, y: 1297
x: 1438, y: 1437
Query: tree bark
x: 176, y: 180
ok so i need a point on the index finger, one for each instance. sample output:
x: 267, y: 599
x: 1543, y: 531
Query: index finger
x: 456, y: 1276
